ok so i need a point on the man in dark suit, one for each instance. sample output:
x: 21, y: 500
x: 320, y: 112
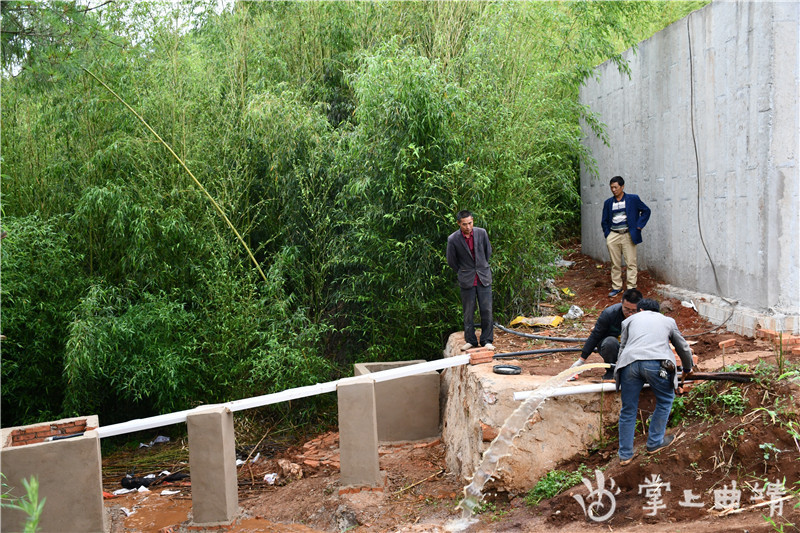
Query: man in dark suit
x: 468, y: 253
x: 624, y: 216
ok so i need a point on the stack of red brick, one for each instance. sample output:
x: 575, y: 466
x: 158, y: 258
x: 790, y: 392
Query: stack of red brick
x: 480, y: 355
x: 789, y: 343
x: 34, y: 434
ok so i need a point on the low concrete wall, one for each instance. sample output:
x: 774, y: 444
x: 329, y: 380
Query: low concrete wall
x: 407, y: 408
x: 478, y: 403
x: 69, y: 475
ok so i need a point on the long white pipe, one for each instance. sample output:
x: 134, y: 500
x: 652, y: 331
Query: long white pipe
x: 575, y: 389
x: 141, y: 424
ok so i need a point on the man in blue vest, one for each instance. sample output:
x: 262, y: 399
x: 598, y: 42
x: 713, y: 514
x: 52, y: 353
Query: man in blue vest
x: 624, y: 216
x: 468, y: 253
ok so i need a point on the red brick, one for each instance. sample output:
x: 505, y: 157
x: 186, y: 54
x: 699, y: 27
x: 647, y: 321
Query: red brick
x: 727, y: 343
x: 480, y: 359
x: 766, y: 333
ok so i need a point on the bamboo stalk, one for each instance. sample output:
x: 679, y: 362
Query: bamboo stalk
x: 197, y: 182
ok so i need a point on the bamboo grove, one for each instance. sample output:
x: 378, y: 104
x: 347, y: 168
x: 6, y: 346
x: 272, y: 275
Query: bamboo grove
x: 339, y: 139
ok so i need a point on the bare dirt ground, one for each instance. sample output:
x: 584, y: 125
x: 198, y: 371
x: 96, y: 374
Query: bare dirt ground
x: 716, y: 457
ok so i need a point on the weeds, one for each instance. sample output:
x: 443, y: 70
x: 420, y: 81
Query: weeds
x: 770, y: 450
x: 553, y: 483
x: 28, y: 504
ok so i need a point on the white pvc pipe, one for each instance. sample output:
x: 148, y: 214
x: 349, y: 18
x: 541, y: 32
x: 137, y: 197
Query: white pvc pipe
x: 568, y: 391
x: 581, y: 389
x: 141, y: 424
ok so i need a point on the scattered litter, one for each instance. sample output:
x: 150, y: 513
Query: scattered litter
x: 564, y: 263
x: 142, y: 489
x: 550, y: 321
x: 133, y: 483
x: 239, y: 462
x: 130, y: 482
x: 120, y: 492
x: 127, y: 511
x: 271, y: 478
x: 690, y: 305
x: 598, y: 266
x: 167, y: 492
x: 108, y: 495
x: 568, y: 292
x: 256, y: 457
x: 574, y: 312
x: 158, y: 440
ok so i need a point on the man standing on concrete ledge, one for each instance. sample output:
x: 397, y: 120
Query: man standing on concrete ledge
x: 468, y: 253
x: 606, y: 331
x: 624, y: 216
x: 645, y: 357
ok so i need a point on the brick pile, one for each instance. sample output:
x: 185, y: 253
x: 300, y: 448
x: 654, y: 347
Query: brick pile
x: 321, y: 451
x: 789, y: 343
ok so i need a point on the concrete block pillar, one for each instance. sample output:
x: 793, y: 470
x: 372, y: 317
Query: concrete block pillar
x: 212, y: 457
x: 358, y: 434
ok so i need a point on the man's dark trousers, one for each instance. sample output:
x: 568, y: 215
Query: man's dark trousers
x: 483, y: 296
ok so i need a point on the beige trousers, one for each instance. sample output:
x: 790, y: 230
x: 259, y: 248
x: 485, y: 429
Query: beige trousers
x: 619, y: 245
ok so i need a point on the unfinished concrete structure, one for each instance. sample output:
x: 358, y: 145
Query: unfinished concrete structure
x: 706, y: 132
x: 406, y: 408
x: 478, y: 402
x: 68, y: 472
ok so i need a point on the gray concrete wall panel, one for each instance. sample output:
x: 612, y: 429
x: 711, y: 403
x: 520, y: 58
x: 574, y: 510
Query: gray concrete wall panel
x: 69, y: 476
x: 743, y: 69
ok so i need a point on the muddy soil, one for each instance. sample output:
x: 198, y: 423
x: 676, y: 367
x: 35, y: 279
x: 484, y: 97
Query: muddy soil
x: 717, y: 456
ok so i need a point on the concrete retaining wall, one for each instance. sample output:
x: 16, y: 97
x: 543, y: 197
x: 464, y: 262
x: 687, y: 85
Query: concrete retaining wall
x: 740, y: 80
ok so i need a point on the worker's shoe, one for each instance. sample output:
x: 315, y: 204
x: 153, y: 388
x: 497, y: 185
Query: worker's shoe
x: 609, y: 376
x: 489, y: 346
x: 467, y: 346
x: 664, y: 443
x: 614, y: 293
x: 624, y: 462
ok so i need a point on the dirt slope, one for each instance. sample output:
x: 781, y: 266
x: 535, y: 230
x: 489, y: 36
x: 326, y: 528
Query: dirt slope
x: 719, y: 444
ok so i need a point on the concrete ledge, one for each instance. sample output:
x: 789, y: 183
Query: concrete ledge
x: 407, y: 408
x: 69, y: 475
x: 744, y: 320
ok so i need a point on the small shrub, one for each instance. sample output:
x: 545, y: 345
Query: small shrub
x: 553, y: 483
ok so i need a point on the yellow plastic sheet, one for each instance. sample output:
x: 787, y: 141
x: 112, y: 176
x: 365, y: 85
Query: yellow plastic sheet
x: 552, y: 321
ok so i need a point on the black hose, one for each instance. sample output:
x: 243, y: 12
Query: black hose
x: 539, y: 337
x: 543, y: 351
